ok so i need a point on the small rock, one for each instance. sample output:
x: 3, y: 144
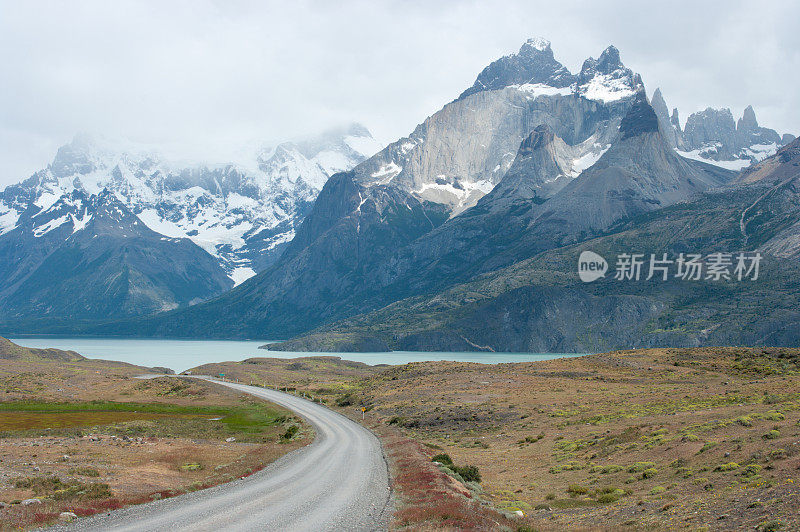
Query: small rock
x: 519, y: 513
x: 3, y: 505
x: 36, y: 468
x: 727, y: 454
x: 28, y: 502
x: 230, y: 439
x: 67, y: 516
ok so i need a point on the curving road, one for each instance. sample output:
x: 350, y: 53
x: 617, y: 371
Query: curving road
x: 338, y: 482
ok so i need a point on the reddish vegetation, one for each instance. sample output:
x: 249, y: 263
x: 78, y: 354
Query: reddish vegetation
x: 429, y: 499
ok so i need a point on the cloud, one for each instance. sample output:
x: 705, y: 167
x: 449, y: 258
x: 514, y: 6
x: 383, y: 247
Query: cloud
x: 202, y: 78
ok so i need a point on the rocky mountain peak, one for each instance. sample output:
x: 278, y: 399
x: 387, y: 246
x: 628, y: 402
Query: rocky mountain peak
x: 540, y: 137
x: 747, y: 123
x: 606, y: 79
x: 609, y: 60
x: 675, y: 119
x: 533, y: 64
x: 640, y: 119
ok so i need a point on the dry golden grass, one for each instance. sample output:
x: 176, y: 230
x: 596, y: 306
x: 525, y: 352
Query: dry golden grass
x: 633, y: 439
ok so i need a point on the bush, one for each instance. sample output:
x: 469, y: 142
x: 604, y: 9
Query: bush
x: 730, y: 466
x: 708, y: 445
x: 84, y: 472
x: 606, y: 498
x: 346, y: 400
x: 640, y: 466
x: 575, y: 489
x: 550, y: 496
x: 290, y: 432
x: 443, y: 459
x: 745, y: 421
x: 657, y: 490
x: 770, y: 526
x: 649, y: 472
x: 469, y: 473
x: 751, y: 470
x: 771, y: 435
x: 774, y: 415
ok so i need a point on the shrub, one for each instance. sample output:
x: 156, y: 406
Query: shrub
x: 649, y: 472
x: 771, y: 435
x: 290, y: 432
x: 684, y: 472
x: 84, y: 472
x: 751, y: 470
x: 575, y: 490
x: 606, y: 498
x: 640, y: 466
x: 745, y: 421
x: 777, y: 454
x: 770, y: 526
x: 730, y: 466
x: 657, y: 490
x: 708, y: 445
x: 443, y: 458
x: 774, y: 415
x: 469, y: 473
x: 689, y: 436
x: 346, y: 400
x: 550, y: 496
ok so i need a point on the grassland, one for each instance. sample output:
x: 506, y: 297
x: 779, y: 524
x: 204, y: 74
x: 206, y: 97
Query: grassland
x: 84, y: 436
x: 653, y: 439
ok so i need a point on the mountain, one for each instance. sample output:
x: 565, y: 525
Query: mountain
x: 528, y: 163
x: 539, y: 304
x: 713, y: 136
x: 242, y: 213
x: 90, y: 257
x: 456, y: 156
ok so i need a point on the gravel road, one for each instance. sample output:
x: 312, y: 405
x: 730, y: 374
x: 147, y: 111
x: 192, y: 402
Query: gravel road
x: 338, y: 482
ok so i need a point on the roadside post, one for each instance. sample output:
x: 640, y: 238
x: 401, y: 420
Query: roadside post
x: 363, y: 412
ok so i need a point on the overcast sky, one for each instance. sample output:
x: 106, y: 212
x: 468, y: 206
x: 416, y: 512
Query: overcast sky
x: 201, y: 78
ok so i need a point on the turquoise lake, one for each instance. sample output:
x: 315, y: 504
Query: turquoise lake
x: 180, y: 355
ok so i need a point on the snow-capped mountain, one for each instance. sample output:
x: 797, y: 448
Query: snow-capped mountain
x: 87, y: 256
x: 713, y: 136
x: 241, y: 213
x: 460, y: 153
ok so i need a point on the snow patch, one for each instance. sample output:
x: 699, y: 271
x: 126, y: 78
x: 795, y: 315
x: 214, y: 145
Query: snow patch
x: 697, y: 155
x: 49, y: 226
x: 79, y: 224
x: 8, y: 218
x: 586, y: 160
x: 534, y: 90
x: 607, y: 88
x: 386, y: 172
x: 240, y: 275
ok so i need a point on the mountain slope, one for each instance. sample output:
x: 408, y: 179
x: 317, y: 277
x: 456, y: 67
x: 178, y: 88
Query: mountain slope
x: 362, y: 217
x: 89, y: 257
x: 540, y: 305
x: 243, y: 213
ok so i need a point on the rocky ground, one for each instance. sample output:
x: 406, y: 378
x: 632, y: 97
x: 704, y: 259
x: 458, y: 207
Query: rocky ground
x: 694, y: 439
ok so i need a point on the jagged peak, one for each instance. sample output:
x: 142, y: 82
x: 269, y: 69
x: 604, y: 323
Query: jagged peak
x: 536, y: 44
x: 641, y: 118
x: 534, y: 63
x: 748, y: 121
x: 538, y: 138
